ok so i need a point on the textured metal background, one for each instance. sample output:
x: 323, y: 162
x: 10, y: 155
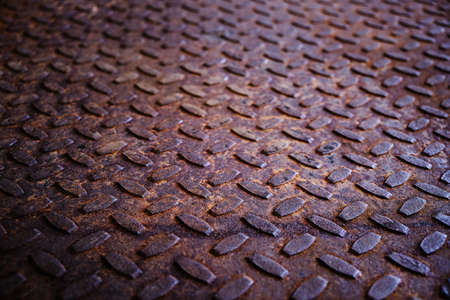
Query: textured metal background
x: 137, y: 135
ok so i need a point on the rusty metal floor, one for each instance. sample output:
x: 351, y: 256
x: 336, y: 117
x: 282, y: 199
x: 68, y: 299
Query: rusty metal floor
x: 230, y: 149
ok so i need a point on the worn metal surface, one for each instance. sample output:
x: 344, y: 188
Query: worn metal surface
x: 199, y: 149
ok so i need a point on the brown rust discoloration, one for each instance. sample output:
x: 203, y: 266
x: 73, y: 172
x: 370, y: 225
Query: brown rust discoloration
x: 118, y: 116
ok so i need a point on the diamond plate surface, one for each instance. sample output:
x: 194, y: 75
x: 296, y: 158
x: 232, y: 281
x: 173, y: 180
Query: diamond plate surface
x: 224, y: 149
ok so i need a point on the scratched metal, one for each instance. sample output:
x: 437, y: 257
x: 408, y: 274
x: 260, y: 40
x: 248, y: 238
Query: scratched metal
x: 220, y: 148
